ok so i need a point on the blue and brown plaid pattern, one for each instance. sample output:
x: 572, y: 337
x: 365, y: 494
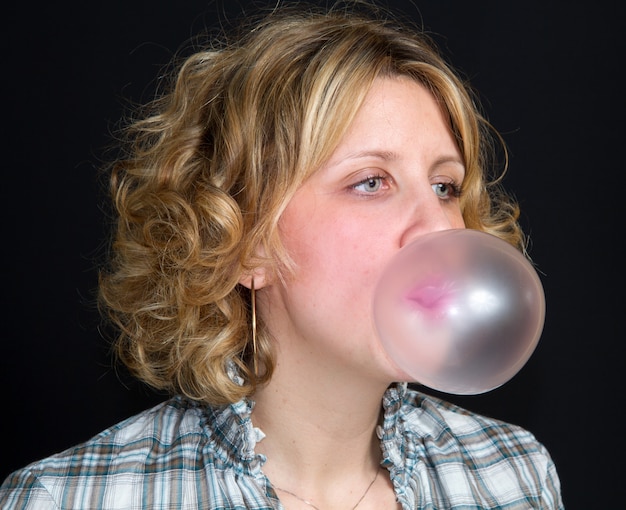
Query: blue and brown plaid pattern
x: 184, y: 455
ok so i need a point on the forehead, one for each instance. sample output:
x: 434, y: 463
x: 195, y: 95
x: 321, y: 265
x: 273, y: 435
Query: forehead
x: 397, y: 115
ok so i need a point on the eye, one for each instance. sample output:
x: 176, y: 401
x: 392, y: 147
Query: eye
x: 447, y: 190
x: 371, y: 184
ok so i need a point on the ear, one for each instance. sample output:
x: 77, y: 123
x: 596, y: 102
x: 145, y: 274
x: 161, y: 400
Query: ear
x: 260, y: 276
x: 260, y: 273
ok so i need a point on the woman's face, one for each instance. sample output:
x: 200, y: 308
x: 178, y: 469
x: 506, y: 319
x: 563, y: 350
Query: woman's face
x: 395, y: 176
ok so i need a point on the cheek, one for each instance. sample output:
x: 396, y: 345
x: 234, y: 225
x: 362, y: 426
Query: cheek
x: 335, y: 248
x: 334, y: 252
x: 456, y: 219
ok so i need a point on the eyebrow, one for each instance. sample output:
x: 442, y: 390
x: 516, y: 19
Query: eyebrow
x: 449, y: 159
x: 393, y: 156
x: 379, y: 154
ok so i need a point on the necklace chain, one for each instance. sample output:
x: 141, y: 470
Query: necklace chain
x: 307, y: 502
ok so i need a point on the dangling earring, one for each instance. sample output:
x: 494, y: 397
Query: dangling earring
x: 254, y: 348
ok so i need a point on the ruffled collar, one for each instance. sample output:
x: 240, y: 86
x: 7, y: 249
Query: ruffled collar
x: 391, y: 431
x: 234, y: 437
x: 398, y: 445
x: 237, y: 437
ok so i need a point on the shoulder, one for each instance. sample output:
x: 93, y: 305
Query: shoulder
x: 166, y: 428
x: 163, y: 438
x: 179, y: 454
x: 449, y: 429
x: 458, y: 450
x: 433, y: 417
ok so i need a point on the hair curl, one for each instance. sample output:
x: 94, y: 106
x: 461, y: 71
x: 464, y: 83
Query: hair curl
x: 211, y: 165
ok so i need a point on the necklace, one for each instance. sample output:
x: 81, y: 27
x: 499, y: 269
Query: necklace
x: 307, y: 502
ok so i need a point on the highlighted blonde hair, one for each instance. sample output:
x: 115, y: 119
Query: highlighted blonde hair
x: 210, y: 167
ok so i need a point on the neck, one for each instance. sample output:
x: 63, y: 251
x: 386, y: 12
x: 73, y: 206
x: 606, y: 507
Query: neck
x: 320, y: 427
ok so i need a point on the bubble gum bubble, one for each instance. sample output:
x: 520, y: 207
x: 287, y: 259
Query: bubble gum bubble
x: 459, y: 311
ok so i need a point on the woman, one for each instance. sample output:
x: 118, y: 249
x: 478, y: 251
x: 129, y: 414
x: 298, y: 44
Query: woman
x: 257, y: 204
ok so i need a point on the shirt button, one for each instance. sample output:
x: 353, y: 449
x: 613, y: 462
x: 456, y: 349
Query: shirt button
x: 379, y: 432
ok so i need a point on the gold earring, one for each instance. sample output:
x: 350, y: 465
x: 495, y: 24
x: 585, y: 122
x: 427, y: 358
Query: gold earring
x: 254, y: 348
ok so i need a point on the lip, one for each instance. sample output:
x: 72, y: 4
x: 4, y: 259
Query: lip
x: 433, y: 295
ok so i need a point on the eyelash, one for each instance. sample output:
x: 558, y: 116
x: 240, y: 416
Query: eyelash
x: 369, y: 178
x: 455, y: 190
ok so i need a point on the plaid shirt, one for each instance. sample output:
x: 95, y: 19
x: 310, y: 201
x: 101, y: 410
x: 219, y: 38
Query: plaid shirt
x: 186, y: 455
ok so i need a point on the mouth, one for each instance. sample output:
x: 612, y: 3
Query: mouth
x: 431, y: 295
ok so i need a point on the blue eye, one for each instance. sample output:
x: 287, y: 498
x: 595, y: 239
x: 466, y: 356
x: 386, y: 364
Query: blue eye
x: 369, y: 185
x: 446, y: 190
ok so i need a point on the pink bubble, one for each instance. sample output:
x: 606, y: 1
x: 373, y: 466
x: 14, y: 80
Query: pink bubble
x: 459, y: 311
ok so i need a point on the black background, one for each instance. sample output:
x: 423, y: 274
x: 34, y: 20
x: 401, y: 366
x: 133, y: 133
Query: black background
x: 549, y: 75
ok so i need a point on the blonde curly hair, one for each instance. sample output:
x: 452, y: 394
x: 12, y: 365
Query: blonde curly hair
x: 209, y: 168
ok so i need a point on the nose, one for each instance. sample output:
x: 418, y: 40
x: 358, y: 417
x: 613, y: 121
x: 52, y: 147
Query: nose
x: 430, y: 214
